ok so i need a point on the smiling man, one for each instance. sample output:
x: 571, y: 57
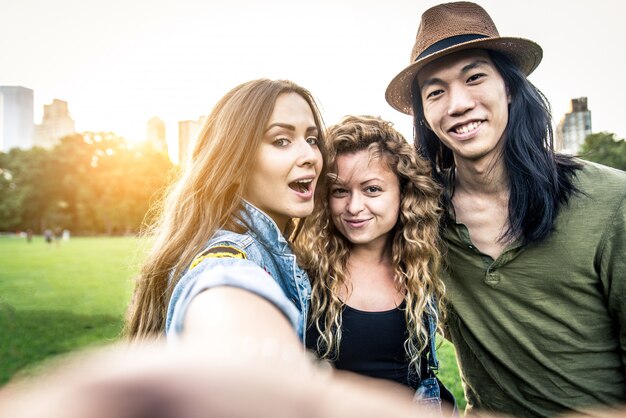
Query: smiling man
x: 536, y: 241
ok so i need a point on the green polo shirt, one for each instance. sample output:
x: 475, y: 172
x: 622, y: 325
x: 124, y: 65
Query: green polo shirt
x: 542, y: 329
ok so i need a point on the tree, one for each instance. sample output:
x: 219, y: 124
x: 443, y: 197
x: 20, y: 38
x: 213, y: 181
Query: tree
x: 89, y: 183
x: 11, y: 200
x: 28, y: 189
x: 605, y: 149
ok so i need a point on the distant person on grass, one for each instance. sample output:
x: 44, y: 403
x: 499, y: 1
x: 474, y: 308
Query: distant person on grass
x: 58, y: 234
x: 536, y: 241
x: 48, y: 236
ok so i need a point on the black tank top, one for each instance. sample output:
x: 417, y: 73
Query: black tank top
x: 372, y: 344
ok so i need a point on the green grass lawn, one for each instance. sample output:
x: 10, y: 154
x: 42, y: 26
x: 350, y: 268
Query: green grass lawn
x: 56, y: 299
x: 449, y: 372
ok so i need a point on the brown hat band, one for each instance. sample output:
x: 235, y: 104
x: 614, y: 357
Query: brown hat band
x: 448, y: 42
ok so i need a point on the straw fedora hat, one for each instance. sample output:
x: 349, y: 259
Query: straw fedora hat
x: 452, y: 27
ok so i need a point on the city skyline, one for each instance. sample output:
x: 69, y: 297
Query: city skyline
x: 174, y: 61
x: 569, y: 134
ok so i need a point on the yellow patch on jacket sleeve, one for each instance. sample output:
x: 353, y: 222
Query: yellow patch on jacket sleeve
x: 219, y: 251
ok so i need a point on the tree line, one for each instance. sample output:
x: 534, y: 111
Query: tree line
x: 605, y: 148
x: 99, y: 183
x: 90, y: 183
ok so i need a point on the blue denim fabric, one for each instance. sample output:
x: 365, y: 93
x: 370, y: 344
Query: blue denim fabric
x: 429, y: 392
x: 269, y: 270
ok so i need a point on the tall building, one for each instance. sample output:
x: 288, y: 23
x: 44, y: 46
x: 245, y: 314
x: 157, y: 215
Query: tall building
x: 56, y: 124
x: 188, y: 131
x: 155, y: 134
x: 16, y: 117
x: 574, y: 127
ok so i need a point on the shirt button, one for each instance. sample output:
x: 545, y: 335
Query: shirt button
x: 492, y: 277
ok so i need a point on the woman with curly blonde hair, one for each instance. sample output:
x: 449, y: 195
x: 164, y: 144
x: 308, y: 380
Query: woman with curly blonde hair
x: 371, y: 250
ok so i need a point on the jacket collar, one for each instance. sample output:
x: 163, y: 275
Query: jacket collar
x: 264, y: 229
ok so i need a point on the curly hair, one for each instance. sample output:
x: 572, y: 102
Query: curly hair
x: 323, y: 251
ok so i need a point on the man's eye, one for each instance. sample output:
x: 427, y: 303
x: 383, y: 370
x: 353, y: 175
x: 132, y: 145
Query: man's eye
x: 475, y: 77
x: 434, y: 93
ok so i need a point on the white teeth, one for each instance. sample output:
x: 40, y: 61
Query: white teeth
x: 303, y: 185
x: 467, y: 128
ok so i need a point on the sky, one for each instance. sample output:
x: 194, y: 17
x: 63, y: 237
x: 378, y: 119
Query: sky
x: 118, y: 63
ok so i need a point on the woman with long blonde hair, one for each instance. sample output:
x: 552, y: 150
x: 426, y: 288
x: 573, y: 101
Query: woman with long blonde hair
x: 221, y: 265
x: 371, y: 250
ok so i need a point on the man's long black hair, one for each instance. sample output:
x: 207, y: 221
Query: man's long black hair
x: 540, y: 180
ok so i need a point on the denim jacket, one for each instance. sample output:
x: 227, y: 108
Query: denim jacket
x: 431, y: 392
x: 258, y: 260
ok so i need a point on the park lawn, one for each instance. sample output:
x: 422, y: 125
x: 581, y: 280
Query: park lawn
x: 449, y: 371
x: 57, y: 299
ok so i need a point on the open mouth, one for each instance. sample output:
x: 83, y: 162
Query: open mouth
x: 463, y: 129
x: 301, y: 186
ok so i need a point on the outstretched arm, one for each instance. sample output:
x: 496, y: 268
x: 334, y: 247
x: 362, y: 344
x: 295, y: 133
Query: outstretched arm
x: 148, y: 381
x: 232, y: 316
